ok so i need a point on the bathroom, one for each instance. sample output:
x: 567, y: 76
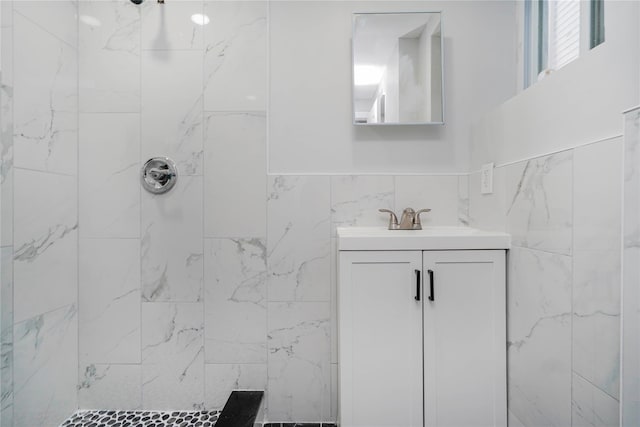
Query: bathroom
x: 114, y: 298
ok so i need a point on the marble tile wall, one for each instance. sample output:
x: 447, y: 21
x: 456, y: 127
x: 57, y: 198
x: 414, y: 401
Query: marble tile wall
x: 39, y: 231
x: 564, y: 214
x: 226, y: 282
x: 229, y: 280
x: 631, y: 273
x: 6, y: 214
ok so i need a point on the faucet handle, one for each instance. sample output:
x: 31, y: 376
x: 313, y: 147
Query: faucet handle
x: 393, y: 219
x: 417, y: 225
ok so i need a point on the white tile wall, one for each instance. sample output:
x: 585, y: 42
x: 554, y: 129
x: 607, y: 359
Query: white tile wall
x: 171, y: 245
x: 355, y: 200
x: 597, y: 264
x: 110, y: 386
x: 109, y: 204
x: 298, y: 238
x: 539, y: 336
x: 172, y: 356
x: 235, y: 175
x: 170, y: 27
x: 564, y: 214
x: 45, y: 371
x: 172, y: 119
x: 46, y: 247
x: 298, y: 365
x: 438, y: 193
x: 591, y: 406
x: 109, y: 69
x: 235, y: 301
x: 225, y: 282
x: 45, y: 100
x: 630, y: 385
x: 538, y: 201
x: 59, y: 18
x: 236, y: 56
x: 40, y: 49
x: 109, y: 301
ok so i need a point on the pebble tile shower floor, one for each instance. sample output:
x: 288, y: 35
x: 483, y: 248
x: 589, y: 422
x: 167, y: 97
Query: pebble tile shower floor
x: 142, y: 419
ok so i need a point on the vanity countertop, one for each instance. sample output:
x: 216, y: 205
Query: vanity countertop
x: 429, y: 238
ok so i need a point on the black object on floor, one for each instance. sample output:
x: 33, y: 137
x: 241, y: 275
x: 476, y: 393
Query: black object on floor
x: 241, y: 409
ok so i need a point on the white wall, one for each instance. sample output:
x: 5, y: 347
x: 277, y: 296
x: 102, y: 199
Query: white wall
x: 558, y: 191
x: 578, y: 104
x: 310, y: 94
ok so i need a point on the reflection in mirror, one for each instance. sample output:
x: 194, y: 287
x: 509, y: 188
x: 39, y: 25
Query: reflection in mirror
x: 397, y: 68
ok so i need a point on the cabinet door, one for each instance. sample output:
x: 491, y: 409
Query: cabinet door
x: 465, y: 339
x: 380, y: 339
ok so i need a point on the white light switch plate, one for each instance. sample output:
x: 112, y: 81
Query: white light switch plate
x: 486, y: 178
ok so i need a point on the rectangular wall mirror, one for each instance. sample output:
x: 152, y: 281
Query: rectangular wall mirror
x: 397, y: 68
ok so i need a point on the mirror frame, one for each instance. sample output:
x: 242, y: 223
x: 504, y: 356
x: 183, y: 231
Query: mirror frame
x: 353, y: 63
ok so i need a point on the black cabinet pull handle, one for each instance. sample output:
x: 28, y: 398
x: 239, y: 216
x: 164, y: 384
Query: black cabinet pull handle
x: 417, y: 297
x: 432, y: 295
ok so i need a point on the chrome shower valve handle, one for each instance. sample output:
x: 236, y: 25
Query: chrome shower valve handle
x: 159, y: 175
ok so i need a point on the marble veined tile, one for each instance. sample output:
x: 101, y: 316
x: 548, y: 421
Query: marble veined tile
x: 110, y: 386
x: 539, y: 337
x: 235, y: 299
x: 598, y: 195
x: 56, y: 17
x: 299, y: 368
x: 109, y: 174
x: 632, y: 180
x: 334, y: 300
x: 170, y: 26
x: 6, y: 336
x: 172, y: 356
x: 6, y: 44
x: 235, y: 175
x: 6, y: 124
x: 46, y: 368
x: 591, y: 407
x: 334, y: 392
x: 436, y: 192
x: 6, y: 143
x: 45, y: 100
x: 299, y: 239
x: 236, y: 56
x: 222, y: 379
x: 597, y: 263
x: 109, y: 50
x: 631, y: 274
x: 596, y: 350
x: 355, y: 200
x: 538, y: 202
x: 171, y: 252
x: 109, y: 301
x: 513, y: 421
x: 172, y: 107
x: 46, y: 247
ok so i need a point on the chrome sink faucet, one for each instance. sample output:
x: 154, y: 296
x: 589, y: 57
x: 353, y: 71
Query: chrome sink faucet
x: 410, y: 219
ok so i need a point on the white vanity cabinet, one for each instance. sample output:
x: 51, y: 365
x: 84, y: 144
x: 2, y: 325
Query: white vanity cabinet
x: 422, y: 332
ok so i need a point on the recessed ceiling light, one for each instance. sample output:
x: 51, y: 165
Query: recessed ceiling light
x: 200, y: 19
x: 365, y: 75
